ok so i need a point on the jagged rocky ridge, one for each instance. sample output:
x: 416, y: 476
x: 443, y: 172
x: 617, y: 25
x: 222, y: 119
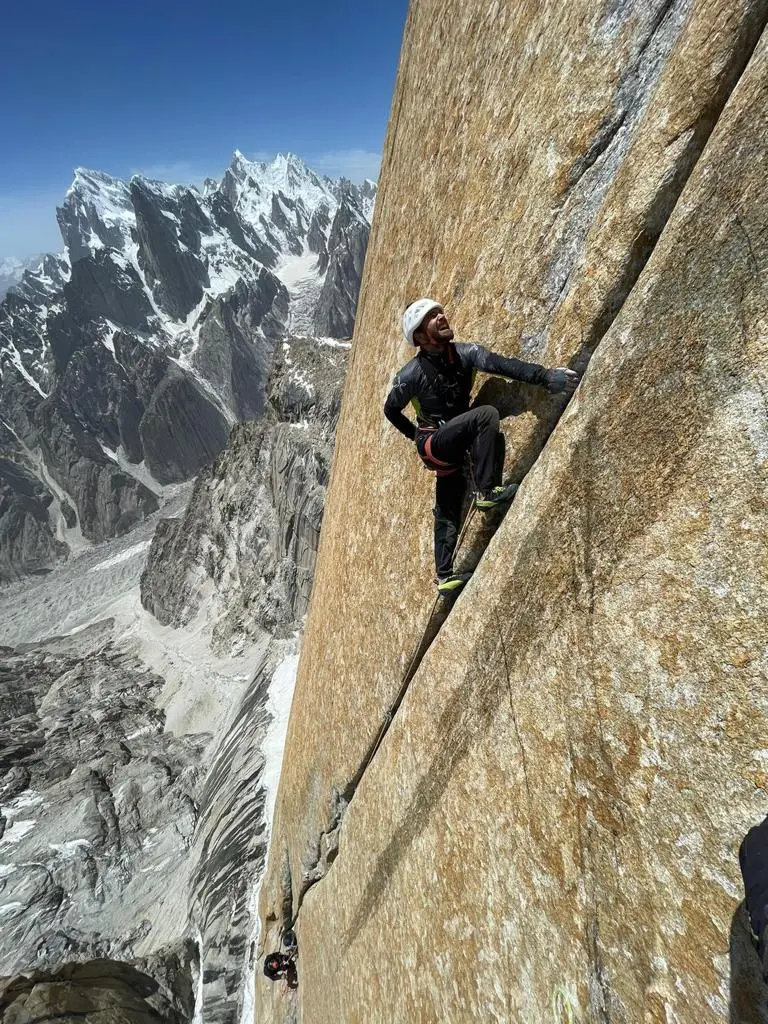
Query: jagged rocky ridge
x: 125, y: 362
x: 12, y: 270
x: 248, y: 539
x: 134, y: 808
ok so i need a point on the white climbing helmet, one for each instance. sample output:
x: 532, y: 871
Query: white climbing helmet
x: 413, y: 317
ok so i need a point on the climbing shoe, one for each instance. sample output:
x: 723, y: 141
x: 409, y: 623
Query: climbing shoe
x: 452, y: 584
x: 495, y: 497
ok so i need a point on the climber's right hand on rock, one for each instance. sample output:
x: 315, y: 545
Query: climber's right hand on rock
x: 561, y: 380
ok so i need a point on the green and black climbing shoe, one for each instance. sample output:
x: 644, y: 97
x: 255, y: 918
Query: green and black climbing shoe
x: 452, y: 584
x: 495, y: 497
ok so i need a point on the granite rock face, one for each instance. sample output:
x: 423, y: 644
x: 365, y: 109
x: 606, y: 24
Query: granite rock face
x: 224, y: 355
x: 175, y: 273
x: 108, y: 501
x: 581, y: 749
x: 27, y: 545
x: 125, y: 362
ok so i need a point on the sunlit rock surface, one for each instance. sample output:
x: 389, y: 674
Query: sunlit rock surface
x: 550, y: 829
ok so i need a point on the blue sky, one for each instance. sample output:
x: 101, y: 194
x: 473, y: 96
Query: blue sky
x: 170, y: 88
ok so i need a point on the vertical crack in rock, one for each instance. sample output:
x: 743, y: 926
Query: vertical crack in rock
x: 666, y: 197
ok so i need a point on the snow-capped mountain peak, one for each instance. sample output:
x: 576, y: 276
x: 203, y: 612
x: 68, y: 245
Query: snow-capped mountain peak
x: 253, y: 185
x: 125, y: 361
x: 96, y: 212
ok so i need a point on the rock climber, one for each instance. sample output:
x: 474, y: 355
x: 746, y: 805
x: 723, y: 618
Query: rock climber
x: 279, y: 966
x: 438, y: 382
x: 276, y: 966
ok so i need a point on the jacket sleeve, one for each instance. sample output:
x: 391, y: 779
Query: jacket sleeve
x: 403, y: 390
x: 489, y: 362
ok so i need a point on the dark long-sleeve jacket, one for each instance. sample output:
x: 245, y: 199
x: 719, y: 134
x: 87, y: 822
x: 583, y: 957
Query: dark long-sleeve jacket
x: 441, y: 389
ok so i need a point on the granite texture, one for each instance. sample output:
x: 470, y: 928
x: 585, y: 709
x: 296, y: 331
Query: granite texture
x: 550, y: 829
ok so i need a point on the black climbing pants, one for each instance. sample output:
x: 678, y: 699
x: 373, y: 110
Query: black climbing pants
x: 474, y: 431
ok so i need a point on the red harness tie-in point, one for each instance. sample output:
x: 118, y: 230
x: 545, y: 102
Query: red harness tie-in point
x: 435, y: 465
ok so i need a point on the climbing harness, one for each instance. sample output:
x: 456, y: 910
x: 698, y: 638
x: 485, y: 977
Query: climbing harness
x: 431, y: 461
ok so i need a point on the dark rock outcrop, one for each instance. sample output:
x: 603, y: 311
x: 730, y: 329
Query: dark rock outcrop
x: 174, y: 272
x: 253, y: 522
x: 181, y: 429
x: 226, y: 354
x: 109, y: 501
x: 102, y: 390
x: 27, y: 542
x: 107, y: 285
x: 348, y: 240
x: 317, y: 236
x: 99, y: 992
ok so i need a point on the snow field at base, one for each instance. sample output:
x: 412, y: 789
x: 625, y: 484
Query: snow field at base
x: 197, y: 1017
x: 279, y: 703
x: 123, y: 556
x: 294, y: 269
x: 17, y: 830
x: 18, y: 822
x: 70, y: 596
x: 72, y: 536
x: 279, y: 708
x: 202, y: 690
x: 304, y: 282
x: 140, y: 471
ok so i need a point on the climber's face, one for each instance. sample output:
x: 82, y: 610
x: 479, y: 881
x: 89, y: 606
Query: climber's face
x: 435, y: 331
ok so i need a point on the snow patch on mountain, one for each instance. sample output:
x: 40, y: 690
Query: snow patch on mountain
x: 302, y: 277
x: 287, y: 176
x: 127, y: 359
